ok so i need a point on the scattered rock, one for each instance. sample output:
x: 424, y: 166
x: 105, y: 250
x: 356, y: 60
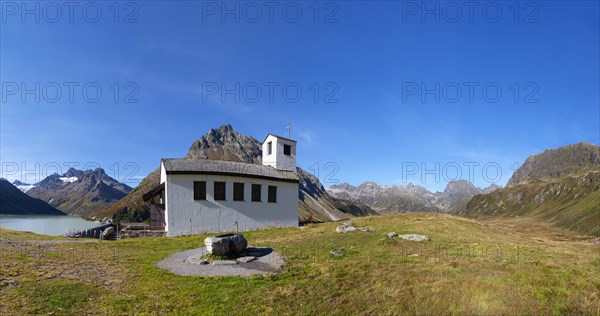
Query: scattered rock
x: 597, y: 243
x: 245, y: 259
x: 391, y: 235
x: 336, y: 253
x: 349, y: 227
x: 414, y: 237
x: 226, y: 245
x: 224, y: 262
x: 414, y: 255
x: 345, y: 227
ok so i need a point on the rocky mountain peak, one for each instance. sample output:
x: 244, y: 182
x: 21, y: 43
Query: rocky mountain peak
x: 79, y: 191
x: 460, y: 186
x: 491, y: 188
x: 224, y: 143
x: 556, y: 162
x: 342, y: 186
x: 16, y: 182
x: 72, y: 172
x: 416, y: 188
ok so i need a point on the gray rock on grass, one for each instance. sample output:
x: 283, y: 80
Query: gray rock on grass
x: 414, y: 237
x: 345, y: 228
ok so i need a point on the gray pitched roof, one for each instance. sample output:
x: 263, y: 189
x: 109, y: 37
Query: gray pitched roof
x: 277, y: 136
x: 222, y: 167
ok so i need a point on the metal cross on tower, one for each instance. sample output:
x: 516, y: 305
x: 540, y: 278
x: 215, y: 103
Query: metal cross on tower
x: 289, y: 127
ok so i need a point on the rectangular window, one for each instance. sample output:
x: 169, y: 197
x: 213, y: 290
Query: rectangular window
x: 269, y: 148
x: 256, y: 192
x: 199, y: 190
x: 219, y: 191
x: 287, y: 150
x: 272, y: 194
x: 238, y: 191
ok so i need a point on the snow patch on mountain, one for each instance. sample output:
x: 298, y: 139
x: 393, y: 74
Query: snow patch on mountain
x: 68, y: 179
x: 25, y: 188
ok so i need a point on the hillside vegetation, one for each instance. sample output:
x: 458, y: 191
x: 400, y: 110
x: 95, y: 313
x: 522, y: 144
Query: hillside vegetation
x: 467, y: 268
x: 571, y: 202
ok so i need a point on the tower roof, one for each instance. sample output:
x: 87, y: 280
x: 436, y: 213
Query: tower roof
x: 277, y: 136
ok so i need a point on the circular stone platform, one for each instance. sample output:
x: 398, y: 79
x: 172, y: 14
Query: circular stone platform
x: 267, y: 261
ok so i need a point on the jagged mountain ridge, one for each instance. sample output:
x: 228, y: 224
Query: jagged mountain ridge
x: 556, y: 162
x: 79, y: 192
x: 224, y: 143
x: 409, y: 198
x: 14, y: 201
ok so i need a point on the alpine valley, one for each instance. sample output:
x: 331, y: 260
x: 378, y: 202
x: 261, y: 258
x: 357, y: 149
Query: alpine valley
x: 559, y: 187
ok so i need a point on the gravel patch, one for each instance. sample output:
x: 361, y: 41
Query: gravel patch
x: 266, y: 262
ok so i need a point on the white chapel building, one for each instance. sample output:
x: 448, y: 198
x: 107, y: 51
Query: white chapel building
x: 207, y: 196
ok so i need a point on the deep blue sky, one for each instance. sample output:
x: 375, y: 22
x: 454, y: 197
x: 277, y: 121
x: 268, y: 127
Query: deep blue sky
x: 369, y: 57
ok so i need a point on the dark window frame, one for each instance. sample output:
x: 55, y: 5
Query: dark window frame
x: 199, y: 190
x: 287, y: 152
x: 256, y: 192
x: 272, y: 194
x: 218, y: 195
x: 237, y: 193
x: 269, y: 148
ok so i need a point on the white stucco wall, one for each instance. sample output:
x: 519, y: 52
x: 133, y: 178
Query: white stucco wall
x: 277, y: 159
x: 186, y: 216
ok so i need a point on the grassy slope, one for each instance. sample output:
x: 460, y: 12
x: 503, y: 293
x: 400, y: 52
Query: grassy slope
x: 132, y: 207
x: 571, y: 202
x: 375, y: 276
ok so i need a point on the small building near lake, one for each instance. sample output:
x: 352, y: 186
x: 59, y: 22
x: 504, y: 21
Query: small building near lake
x: 207, y: 196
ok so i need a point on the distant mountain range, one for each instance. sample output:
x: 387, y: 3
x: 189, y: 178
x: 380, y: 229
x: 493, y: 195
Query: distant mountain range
x: 14, y: 201
x: 224, y: 143
x: 558, y: 186
x: 409, y: 198
x: 78, y: 192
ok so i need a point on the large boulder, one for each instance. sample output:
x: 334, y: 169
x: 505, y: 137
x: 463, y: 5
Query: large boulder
x: 226, y: 245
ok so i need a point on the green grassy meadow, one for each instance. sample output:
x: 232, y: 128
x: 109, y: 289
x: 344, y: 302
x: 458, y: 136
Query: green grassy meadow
x: 468, y: 267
